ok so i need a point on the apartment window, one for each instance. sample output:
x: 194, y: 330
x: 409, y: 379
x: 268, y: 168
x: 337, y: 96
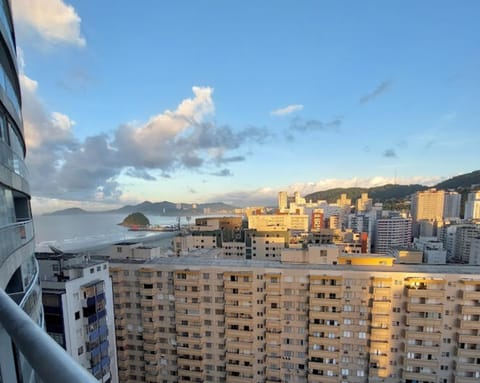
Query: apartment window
x: 80, y: 350
x: 77, y: 315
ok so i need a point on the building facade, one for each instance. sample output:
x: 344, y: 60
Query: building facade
x: 191, y: 319
x: 428, y: 205
x: 472, y: 206
x: 18, y: 268
x: 78, y: 305
x: 392, y: 232
x: 451, y: 208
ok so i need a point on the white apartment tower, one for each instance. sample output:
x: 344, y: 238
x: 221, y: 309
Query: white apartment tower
x: 472, y: 206
x: 392, y: 232
x: 78, y: 304
x: 451, y: 208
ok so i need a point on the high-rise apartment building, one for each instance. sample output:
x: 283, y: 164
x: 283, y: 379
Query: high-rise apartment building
x: 364, y: 203
x: 18, y: 268
x: 343, y: 201
x: 451, y: 207
x: 428, y: 205
x: 194, y: 319
x: 392, y: 232
x: 78, y: 304
x: 463, y: 239
x: 282, y: 201
x: 472, y: 206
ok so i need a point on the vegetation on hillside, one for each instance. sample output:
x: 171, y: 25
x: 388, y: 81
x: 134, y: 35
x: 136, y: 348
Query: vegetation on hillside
x: 136, y: 219
x: 465, y: 181
x: 378, y: 193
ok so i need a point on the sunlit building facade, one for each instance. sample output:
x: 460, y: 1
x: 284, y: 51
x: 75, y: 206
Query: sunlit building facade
x: 194, y: 319
x: 428, y: 205
x: 18, y: 268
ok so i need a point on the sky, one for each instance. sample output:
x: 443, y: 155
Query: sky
x: 233, y: 101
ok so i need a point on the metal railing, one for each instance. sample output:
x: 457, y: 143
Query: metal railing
x: 49, y: 360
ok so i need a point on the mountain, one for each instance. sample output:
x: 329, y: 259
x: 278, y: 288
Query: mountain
x: 378, y: 193
x: 173, y: 209
x: 70, y: 211
x: 161, y: 208
x: 385, y: 193
x: 463, y: 181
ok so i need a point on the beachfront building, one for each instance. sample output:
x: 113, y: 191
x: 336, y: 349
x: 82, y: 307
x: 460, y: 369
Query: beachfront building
x: 351, y: 319
x: 78, y: 305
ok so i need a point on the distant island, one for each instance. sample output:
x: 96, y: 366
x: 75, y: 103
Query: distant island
x: 136, y: 220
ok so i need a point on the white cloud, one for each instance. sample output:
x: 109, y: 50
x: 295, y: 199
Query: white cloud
x: 287, y: 110
x: 52, y: 20
x: 182, y: 138
x: 42, y: 129
x: 62, y: 121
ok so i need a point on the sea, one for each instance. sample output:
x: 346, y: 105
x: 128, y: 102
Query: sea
x: 80, y: 232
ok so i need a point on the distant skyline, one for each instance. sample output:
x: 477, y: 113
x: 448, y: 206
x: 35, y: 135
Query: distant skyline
x: 233, y: 101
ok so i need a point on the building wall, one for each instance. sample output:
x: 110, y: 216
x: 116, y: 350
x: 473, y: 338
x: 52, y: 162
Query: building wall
x: 463, y: 238
x: 18, y: 268
x: 451, y: 209
x: 472, y: 206
x: 192, y: 321
x: 428, y: 205
x: 278, y: 222
x: 85, y: 308
x: 392, y: 232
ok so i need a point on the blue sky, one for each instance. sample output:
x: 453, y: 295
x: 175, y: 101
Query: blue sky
x: 194, y: 101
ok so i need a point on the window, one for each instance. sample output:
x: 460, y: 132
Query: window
x: 80, y: 350
x: 77, y: 316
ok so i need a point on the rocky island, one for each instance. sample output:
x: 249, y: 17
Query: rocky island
x: 136, y: 220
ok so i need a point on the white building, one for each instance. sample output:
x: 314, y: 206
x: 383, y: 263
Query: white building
x: 392, y: 232
x: 78, y: 305
x: 451, y: 206
x: 474, y: 252
x: 433, y: 251
x: 472, y: 206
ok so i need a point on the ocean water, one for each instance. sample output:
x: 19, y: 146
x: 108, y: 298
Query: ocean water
x: 79, y: 231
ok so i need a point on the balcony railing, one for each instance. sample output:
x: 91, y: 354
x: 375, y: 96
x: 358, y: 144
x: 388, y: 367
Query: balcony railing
x: 48, y: 359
